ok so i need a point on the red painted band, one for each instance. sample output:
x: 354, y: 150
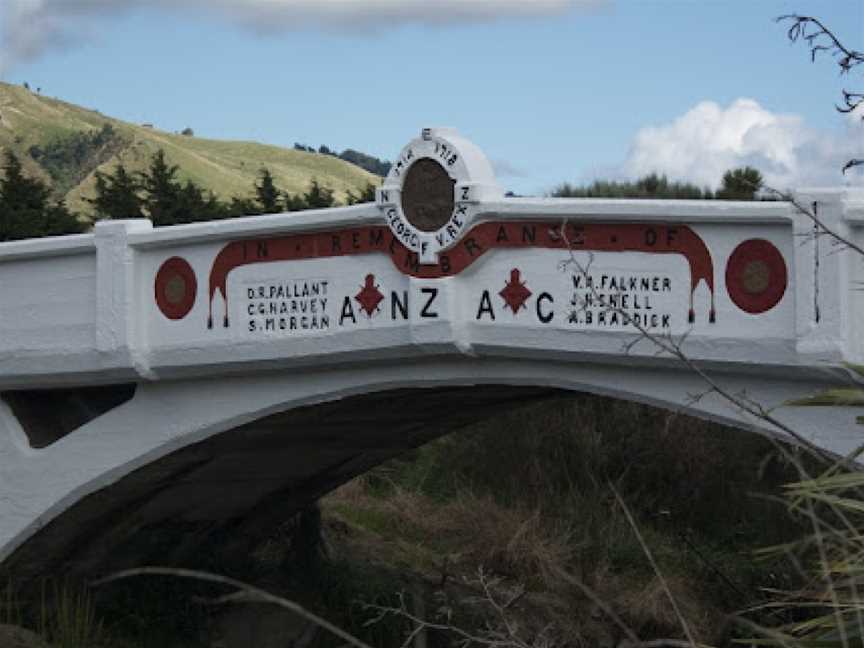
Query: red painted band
x: 756, y: 276
x: 175, y: 288
x: 624, y: 237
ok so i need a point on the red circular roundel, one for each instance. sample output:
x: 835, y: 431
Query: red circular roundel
x: 756, y: 276
x: 176, y: 287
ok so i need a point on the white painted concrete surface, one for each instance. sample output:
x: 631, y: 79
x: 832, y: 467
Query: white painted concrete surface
x: 224, y: 322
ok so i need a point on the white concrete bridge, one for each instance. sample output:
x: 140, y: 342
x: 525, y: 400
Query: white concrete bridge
x: 216, y: 376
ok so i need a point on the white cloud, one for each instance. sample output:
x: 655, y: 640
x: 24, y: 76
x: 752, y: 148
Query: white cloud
x: 709, y: 139
x: 30, y: 28
x: 506, y: 169
x: 287, y: 13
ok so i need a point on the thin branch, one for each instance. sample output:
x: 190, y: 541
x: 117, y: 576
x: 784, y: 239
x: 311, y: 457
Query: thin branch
x: 812, y: 215
x: 851, y: 101
x: 600, y: 603
x: 647, y: 551
x: 825, y: 570
x: 251, y: 593
x: 668, y: 345
x: 852, y: 163
x: 509, y: 638
x: 656, y: 643
x: 403, y: 612
x: 820, y: 34
x: 821, y: 39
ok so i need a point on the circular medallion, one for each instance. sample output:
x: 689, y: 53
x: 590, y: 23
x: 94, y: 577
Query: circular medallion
x: 175, y: 288
x: 427, y: 195
x: 434, y: 191
x: 756, y: 276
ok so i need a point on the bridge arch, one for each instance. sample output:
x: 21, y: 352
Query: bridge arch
x: 185, y: 453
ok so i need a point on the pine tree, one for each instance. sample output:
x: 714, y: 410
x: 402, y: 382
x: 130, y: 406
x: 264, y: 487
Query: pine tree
x: 194, y: 207
x: 318, y: 197
x: 213, y: 209
x: 267, y: 194
x: 740, y: 184
x: 117, y: 195
x: 25, y: 210
x: 18, y: 191
x: 243, y: 207
x: 58, y: 220
x: 294, y: 202
x: 163, y: 191
x: 366, y: 196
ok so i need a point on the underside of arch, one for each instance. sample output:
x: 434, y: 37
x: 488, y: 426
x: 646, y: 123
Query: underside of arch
x: 224, y: 494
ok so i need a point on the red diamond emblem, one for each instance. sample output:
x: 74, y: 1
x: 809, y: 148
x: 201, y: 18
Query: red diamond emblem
x: 515, y: 292
x: 369, y: 296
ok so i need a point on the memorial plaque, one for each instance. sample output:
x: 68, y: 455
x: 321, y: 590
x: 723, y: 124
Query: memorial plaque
x: 432, y: 193
x: 427, y: 195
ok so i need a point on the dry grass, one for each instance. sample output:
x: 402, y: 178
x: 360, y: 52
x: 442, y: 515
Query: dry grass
x: 448, y: 509
x: 517, y: 543
x: 648, y: 610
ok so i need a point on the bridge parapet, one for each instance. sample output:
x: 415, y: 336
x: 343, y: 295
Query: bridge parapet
x: 472, y: 273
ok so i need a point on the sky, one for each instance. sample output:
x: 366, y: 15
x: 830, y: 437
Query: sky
x: 551, y: 90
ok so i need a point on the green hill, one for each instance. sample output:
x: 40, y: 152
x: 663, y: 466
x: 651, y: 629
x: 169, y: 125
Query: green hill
x: 64, y: 144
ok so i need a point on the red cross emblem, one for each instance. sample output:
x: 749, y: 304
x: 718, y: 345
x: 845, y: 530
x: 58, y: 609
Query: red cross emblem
x: 515, y: 292
x: 369, y: 296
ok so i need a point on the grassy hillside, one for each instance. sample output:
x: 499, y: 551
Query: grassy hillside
x: 64, y: 145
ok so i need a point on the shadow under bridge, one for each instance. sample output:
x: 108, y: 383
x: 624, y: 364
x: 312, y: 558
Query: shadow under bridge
x: 214, y: 500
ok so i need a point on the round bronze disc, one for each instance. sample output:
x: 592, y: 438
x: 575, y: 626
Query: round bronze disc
x: 756, y: 276
x: 175, y: 289
x: 427, y: 195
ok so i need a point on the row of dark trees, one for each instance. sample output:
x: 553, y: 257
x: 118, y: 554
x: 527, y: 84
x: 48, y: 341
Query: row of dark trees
x: 160, y: 195
x: 156, y: 193
x: 364, y: 161
x: 738, y: 184
x: 27, y: 209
